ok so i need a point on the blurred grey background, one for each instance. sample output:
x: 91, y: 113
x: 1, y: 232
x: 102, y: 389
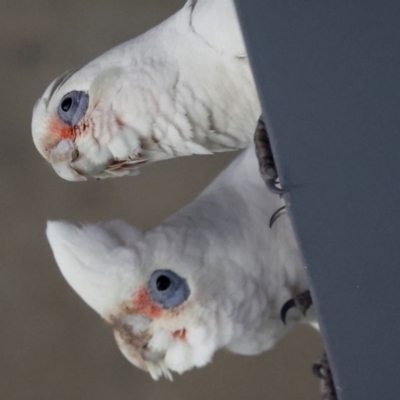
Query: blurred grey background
x: 52, y: 346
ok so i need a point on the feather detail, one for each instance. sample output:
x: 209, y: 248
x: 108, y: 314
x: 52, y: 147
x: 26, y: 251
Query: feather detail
x: 182, y: 88
x: 235, y: 274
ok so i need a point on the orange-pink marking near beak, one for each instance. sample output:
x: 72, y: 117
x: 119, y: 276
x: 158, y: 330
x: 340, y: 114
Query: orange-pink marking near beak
x: 144, y: 305
x: 60, y: 129
x: 181, y: 334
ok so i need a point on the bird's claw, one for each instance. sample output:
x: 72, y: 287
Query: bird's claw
x: 265, y: 158
x: 272, y: 185
x: 285, y: 308
x: 322, y: 370
x: 280, y: 211
x: 302, y: 302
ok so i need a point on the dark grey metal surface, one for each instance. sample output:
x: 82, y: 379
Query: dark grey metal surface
x: 328, y: 74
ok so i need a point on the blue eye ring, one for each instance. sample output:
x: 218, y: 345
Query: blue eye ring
x: 73, y: 107
x: 168, y: 288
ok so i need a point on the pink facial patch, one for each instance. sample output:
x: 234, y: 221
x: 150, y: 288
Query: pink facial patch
x: 61, y: 130
x: 181, y: 334
x: 144, y: 305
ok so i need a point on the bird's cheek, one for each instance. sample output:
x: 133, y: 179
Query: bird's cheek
x: 59, y: 130
x: 144, y: 305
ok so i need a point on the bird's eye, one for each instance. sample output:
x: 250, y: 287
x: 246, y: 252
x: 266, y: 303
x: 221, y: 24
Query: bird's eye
x: 168, y: 288
x: 73, y: 107
x: 163, y: 283
x: 66, y: 104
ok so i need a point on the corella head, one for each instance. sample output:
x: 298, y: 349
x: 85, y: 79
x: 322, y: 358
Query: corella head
x: 76, y: 128
x: 158, y: 323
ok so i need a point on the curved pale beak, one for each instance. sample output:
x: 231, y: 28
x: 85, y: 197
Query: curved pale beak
x: 65, y: 171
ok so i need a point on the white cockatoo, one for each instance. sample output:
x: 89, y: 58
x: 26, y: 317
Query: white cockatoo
x: 184, y: 87
x: 212, y: 276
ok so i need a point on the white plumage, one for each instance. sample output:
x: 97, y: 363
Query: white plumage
x: 234, y: 274
x: 185, y: 87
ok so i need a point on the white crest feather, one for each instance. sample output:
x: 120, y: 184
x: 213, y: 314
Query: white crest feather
x: 103, y: 277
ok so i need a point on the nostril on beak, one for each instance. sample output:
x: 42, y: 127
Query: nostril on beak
x: 74, y: 155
